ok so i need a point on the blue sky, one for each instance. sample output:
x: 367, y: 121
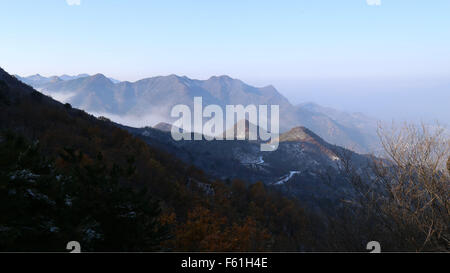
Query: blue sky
x: 285, y: 43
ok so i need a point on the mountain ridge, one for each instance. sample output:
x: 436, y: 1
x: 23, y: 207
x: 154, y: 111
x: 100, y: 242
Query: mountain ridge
x: 153, y: 97
x: 39, y: 81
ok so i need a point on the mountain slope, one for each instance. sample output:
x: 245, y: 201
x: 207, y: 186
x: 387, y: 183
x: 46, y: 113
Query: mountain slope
x: 362, y: 129
x: 303, y: 166
x: 104, y: 217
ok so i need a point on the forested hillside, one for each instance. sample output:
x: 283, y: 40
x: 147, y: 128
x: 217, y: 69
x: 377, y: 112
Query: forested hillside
x: 68, y: 176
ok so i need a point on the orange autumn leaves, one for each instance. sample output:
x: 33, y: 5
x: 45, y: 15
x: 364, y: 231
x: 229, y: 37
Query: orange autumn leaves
x: 207, y: 231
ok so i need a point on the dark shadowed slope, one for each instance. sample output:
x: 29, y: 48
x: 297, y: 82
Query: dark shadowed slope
x: 106, y: 216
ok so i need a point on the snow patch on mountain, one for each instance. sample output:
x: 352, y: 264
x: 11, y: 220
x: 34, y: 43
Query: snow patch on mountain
x: 287, y: 177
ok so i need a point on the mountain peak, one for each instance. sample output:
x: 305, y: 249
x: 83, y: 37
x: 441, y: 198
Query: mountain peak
x: 99, y: 76
x: 163, y: 126
x: 247, y: 134
x: 67, y: 77
x: 304, y: 135
x: 221, y: 78
x: 54, y: 79
x: 300, y: 134
x: 173, y: 76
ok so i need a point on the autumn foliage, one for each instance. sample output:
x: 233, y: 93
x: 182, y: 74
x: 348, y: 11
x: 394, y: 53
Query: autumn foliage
x: 235, y: 216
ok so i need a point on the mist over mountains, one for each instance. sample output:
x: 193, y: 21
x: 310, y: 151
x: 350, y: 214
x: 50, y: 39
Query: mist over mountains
x: 418, y: 99
x: 150, y: 100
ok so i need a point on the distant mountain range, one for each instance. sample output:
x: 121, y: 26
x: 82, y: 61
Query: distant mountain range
x: 39, y: 81
x: 152, y: 99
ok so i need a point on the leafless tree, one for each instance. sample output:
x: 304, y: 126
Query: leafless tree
x: 404, y: 197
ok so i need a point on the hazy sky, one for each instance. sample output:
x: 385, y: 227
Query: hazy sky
x: 301, y: 47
